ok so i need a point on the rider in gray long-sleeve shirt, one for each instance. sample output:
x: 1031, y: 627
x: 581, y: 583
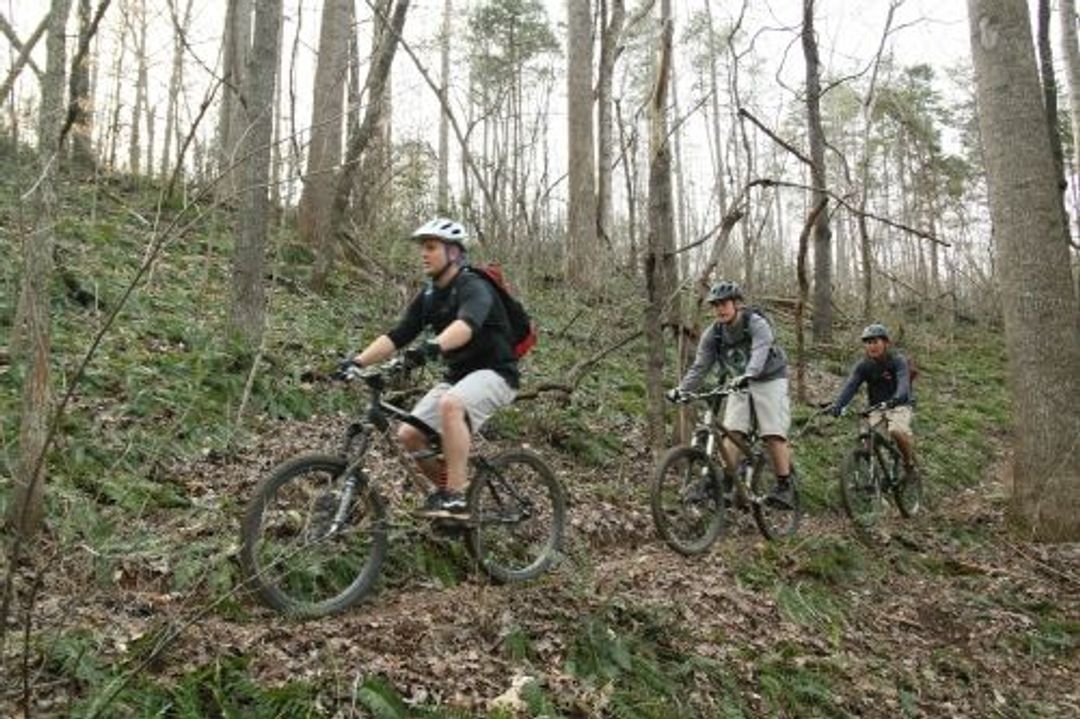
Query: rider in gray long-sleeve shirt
x: 742, y: 345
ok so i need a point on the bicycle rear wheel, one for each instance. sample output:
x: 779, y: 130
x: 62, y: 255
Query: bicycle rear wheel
x: 290, y: 551
x: 860, y: 490
x: 518, y: 509
x: 686, y: 499
x: 776, y: 517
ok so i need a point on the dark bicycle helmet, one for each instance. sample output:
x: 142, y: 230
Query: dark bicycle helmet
x: 724, y: 291
x: 875, y: 331
x: 443, y: 229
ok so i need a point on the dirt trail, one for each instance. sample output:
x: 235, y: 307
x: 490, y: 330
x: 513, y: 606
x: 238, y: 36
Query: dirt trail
x: 946, y: 616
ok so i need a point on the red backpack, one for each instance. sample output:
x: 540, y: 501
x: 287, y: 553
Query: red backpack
x: 523, y: 333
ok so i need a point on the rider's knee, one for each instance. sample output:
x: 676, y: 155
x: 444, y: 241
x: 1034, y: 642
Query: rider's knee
x: 409, y: 436
x: 451, y: 406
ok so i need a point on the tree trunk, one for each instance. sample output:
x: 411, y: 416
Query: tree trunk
x: 1042, y: 335
x: 1071, y: 54
x: 25, y: 511
x: 176, y: 79
x: 659, y: 253
x: 118, y: 104
x: 23, y: 59
x: 443, y: 192
x: 82, y: 99
x: 581, y: 256
x: 1049, y: 88
x: 609, y: 42
x: 231, y: 125
x: 371, y: 195
x: 324, y: 148
x: 249, y: 255
x: 139, y: 32
x: 719, y: 172
x: 822, y: 322
x: 376, y: 87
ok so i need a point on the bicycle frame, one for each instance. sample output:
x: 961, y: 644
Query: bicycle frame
x: 875, y: 440
x: 377, y: 419
x: 710, y: 429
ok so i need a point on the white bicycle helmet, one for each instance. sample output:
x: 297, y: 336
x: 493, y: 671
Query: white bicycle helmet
x: 443, y: 229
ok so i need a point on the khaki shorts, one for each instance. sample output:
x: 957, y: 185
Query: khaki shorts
x: 771, y: 406
x: 482, y: 392
x: 899, y: 419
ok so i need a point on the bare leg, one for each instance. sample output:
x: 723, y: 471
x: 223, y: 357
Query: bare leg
x: 732, y: 454
x: 906, y: 443
x: 413, y: 440
x: 456, y: 440
x: 779, y: 453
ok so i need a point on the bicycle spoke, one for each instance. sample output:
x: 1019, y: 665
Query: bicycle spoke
x: 686, y: 500
x: 517, y: 512
x: 308, y: 548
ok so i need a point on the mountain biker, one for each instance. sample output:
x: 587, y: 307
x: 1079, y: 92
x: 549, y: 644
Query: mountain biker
x: 741, y: 342
x: 470, y: 332
x: 886, y: 374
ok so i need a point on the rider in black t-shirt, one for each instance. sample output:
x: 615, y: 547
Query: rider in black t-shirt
x: 470, y: 331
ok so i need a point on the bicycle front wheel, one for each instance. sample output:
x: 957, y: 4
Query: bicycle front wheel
x: 860, y: 490
x: 777, y: 514
x: 517, y: 510
x: 687, y: 501
x: 311, y: 547
x: 907, y: 491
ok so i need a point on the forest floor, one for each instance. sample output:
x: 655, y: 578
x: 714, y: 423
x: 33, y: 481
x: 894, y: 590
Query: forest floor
x: 945, y: 615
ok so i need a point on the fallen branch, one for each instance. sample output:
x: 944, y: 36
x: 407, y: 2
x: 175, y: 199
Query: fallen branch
x: 579, y: 370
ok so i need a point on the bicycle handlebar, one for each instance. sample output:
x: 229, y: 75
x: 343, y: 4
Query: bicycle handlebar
x: 372, y: 376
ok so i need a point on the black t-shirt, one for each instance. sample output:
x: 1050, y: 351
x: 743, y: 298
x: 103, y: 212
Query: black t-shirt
x: 470, y: 298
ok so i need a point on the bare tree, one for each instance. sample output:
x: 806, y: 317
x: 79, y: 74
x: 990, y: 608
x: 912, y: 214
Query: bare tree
x: 231, y: 125
x: 24, y: 54
x: 360, y: 138
x: 324, y: 148
x: 32, y: 327
x: 660, y: 249
x: 138, y: 31
x: 580, y: 256
x: 822, y: 320
x: 1071, y: 53
x: 249, y: 254
x: 609, y: 45
x: 443, y: 187
x: 1042, y: 335
x: 82, y: 99
x: 181, y: 24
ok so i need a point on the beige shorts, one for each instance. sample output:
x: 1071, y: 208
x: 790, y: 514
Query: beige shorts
x: 899, y: 419
x: 482, y: 392
x: 771, y: 405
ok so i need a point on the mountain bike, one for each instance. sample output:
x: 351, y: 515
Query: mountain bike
x: 690, y: 493
x: 873, y: 473
x: 316, y: 531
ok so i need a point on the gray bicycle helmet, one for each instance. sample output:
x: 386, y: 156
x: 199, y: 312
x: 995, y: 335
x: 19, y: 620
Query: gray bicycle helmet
x: 875, y: 331
x: 724, y: 291
x: 443, y: 229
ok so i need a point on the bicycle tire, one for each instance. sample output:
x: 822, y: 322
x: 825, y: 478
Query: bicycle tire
x: 517, y: 512
x: 907, y: 491
x: 686, y: 500
x: 775, y: 519
x: 860, y: 490
x: 289, y: 570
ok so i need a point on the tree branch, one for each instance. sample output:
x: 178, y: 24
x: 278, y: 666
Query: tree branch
x: 743, y: 112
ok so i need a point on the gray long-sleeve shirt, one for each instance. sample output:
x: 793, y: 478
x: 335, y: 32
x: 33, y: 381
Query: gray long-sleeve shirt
x: 749, y: 347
